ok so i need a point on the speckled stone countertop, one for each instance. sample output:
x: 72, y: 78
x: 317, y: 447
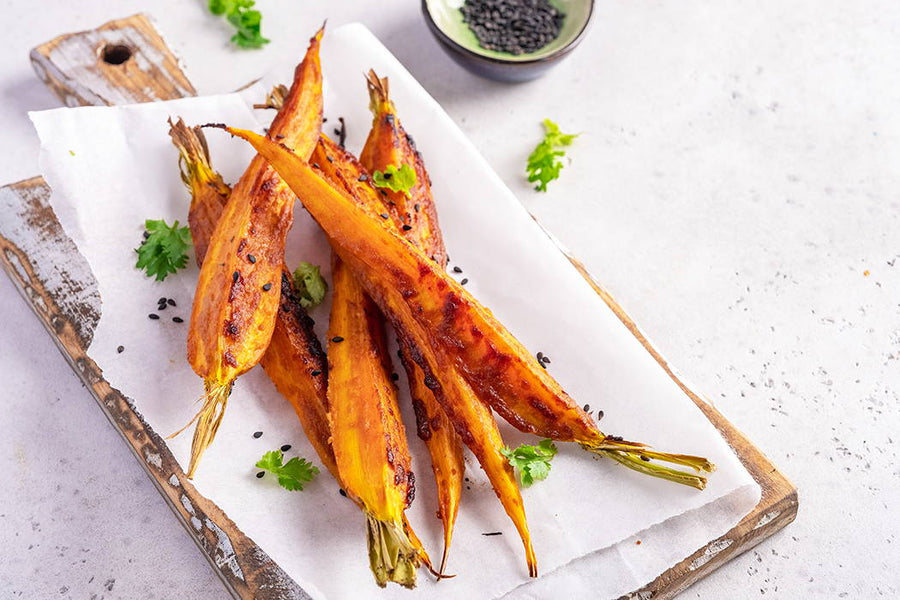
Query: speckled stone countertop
x: 737, y: 189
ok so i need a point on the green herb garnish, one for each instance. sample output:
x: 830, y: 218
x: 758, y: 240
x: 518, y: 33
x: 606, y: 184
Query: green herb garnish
x: 247, y: 21
x: 164, y: 249
x: 532, y: 462
x: 543, y: 165
x: 309, y: 285
x: 398, y: 180
x: 292, y: 474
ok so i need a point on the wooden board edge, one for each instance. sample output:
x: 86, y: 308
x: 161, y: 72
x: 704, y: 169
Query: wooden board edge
x: 778, y: 504
x: 243, y: 567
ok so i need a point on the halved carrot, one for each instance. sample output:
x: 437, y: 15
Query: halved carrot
x: 237, y: 298
x: 412, y: 289
x: 388, y: 144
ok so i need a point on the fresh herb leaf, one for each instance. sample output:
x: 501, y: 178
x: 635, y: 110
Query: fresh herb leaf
x: 245, y: 20
x: 164, y: 249
x: 543, y: 166
x: 532, y: 462
x: 398, y: 180
x: 291, y: 475
x: 309, y: 284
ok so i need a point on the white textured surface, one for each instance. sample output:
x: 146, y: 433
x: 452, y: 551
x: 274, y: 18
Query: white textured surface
x: 737, y: 177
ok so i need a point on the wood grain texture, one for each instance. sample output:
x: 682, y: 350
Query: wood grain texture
x: 122, y: 62
x: 66, y: 302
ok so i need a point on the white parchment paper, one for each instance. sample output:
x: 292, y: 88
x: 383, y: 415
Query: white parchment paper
x: 112, y: 168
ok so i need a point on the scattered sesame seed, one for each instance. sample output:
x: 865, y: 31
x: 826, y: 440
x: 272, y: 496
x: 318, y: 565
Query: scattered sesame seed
x: 286, y: 447
x: 161, y: 306
x: 342, y: 492
x: 416, y: 207
x: 153, y: 316
x: 260, y: 474
x: 251, y: 258
x: 546, y: 360
x: 464, y: 281
x: 406, y: 227
x: 257, y: 435
x: 383, y: 215
x: 394, y: 376
x: 267, y: 287
x: 329, y: 159
x: 279, y: 137
x: 493, y: 533
x: 177, y: 320
x: 645, y: 459
x: 120, y: 349
x: 539, y: 356
x: 316, y: 373
x: 337, y: 339
x: 316, y: 166
x: 171, y: 302
x: 362, y: 177
x: 162, y: 300
x: 587, y: 407
x: 234, y: 276
x: 599, y: 414
x: 457, y: 270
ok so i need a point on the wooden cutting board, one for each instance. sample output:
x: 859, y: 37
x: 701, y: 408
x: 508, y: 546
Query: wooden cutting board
x: 127, y: 61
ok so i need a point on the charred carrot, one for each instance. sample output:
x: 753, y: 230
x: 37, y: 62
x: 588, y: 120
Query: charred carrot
x: 411, y: 288
x: 294, y: 360
x: 233, y: 315
x: 470, y: 419
x: 388, y: 144
x: 369, y: 442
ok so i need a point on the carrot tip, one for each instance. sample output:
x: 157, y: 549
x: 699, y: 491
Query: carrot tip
x: 640, y: 457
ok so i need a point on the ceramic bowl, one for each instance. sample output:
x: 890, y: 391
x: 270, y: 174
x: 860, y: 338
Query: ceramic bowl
x: 446, y: 23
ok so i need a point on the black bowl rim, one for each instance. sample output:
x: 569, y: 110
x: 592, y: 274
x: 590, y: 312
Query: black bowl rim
x: 442, y: 35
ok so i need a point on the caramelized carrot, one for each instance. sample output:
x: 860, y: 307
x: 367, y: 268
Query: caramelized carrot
x: 457, y: 330
x: 389, y: 144
x: 294, y: 360
x: 236, y: 300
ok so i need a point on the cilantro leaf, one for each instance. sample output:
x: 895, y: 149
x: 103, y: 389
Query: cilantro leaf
x: 309, y: 284
x: 245, y: 20
x: 291, y: 475
x: 543, y: 164
x: 164, y: 249
x: 398, y: 180
x: 532, y: 462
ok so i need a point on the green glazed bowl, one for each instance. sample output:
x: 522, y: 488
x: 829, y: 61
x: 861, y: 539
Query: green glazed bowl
x: 446, y: 23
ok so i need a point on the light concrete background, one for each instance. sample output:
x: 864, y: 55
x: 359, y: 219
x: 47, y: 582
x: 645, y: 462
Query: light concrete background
x: 737, y: 189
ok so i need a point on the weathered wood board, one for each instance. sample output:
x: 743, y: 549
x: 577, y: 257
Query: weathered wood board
x: 127, y: 61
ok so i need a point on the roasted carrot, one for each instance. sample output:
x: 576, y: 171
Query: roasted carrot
x: 388, y: 144
x: 369, y: 442
x: 236, y: 300
x: 294, y: 360
x: 470, y: 418
x: 459, y: 331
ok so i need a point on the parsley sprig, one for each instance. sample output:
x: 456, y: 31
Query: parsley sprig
x: 292, y: 474
x: 398, y: 180
x: 309, y: 285
x: 532, y: 462
x: 543, y: 164
x: 246, y: 21
x: 164, y: 249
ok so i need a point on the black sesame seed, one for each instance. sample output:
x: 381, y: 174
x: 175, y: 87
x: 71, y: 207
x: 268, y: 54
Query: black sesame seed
x: 329, y: 159
x: 493, y: 533
x: 251, y: 258
x: 362, y: 177
x: 177, y: 320
x: 316, y: 373
x: 342, y: 492
x: 387, y: 175
x: 153, y: 316
x: 406, y: 227
x: 645, y: 459
x: 286, y: 447
x: 337, y: 339
x: 234, y: 276
x: 267, y: 287
x: 162, y: 306
x: 258, y: 434
x: 587, y: 407
x: 146, y: 235
x: 316, y: 166
x: 171, y: 302
x: 120, y: 349
x: 279, y: 137
x: 162, y: 300
x: 457, y: 270
x: 464, y: 281
x: 260, y: 474
x: 416, y: 207
x: 599, y: 414
x: 394, y: 376
x: 539, y: 356
x: 383, y: 215
x: 546, y: 360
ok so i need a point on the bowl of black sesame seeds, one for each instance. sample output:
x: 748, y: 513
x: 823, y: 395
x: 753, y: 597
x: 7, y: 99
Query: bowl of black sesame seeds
x: 508, y: 40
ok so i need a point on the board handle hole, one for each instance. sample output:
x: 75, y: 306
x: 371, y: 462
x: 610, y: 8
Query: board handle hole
x: 115, y: 54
